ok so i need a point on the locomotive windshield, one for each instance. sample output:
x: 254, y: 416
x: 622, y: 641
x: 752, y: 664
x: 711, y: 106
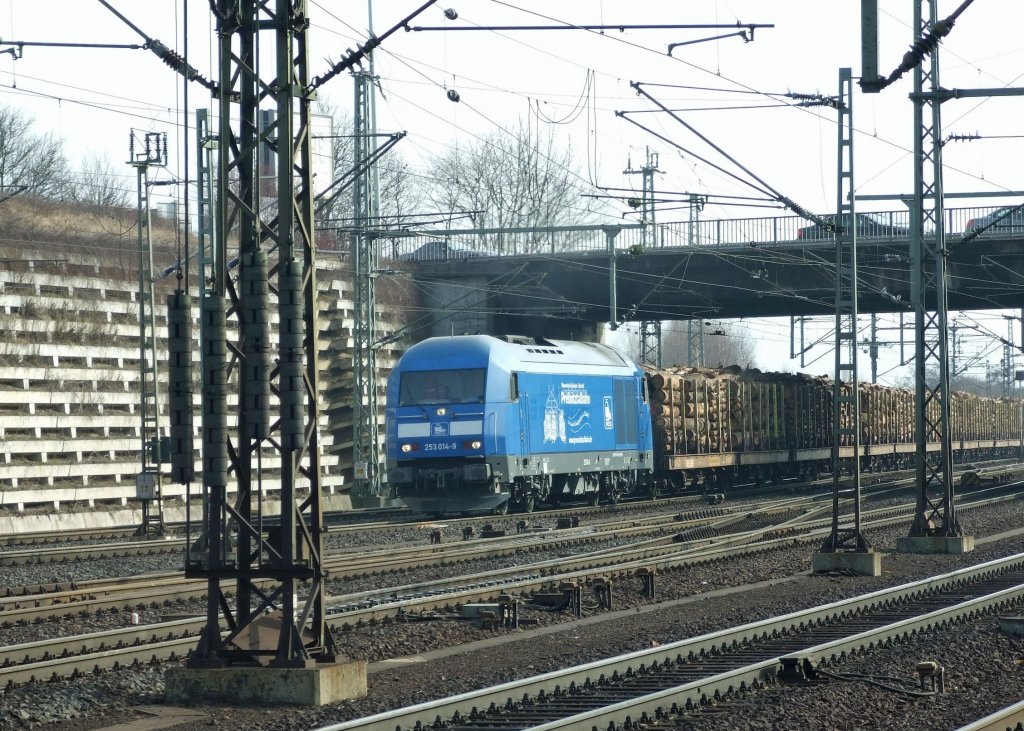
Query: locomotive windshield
x: 461, y: 386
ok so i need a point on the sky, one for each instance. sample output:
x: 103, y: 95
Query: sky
x: 574, y: 82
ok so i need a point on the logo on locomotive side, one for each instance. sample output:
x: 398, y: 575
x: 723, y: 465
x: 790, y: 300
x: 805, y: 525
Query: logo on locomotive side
x: 554, y: 419
x: 575, y: 394
x: 572, y: 426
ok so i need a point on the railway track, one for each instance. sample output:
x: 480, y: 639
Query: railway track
x: 336, y: 518
x: 657, y: 534
x: 1010, y: 718
x: 33, y: 603
x: 67, y: 657
x: 62, y: 552
x: 650, y: 687
x: 84, y: 544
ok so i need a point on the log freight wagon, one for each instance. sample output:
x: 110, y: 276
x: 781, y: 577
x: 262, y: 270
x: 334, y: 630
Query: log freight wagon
x: 717, y: 427
x: 481, y: 424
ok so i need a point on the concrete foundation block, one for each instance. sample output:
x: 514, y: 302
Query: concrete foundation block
x: 861, y: 563
x: 268, y: 686
x: 935, y: 544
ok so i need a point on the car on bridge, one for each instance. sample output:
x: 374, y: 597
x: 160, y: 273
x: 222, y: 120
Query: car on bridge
x: 1007, y: 221
x: 869, y: 226
x: 439, y: 251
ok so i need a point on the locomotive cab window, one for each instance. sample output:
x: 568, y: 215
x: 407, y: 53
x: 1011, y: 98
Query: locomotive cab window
x: 513, y: 387
x: 457, y: 386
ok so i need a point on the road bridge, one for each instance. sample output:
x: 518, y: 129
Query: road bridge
x: 558, y: 283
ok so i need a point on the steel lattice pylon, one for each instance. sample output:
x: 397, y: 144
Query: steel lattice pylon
x: 650, y: 343
x: 650, y: 330
x: 695, y: 343
x: 935, y: 510
x: 845, y: 402
x: 366, y: 200
x: 274, y: 234
x: 149, y: 480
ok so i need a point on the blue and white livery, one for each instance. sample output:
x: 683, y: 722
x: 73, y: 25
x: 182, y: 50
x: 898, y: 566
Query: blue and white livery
x: 478, y: 423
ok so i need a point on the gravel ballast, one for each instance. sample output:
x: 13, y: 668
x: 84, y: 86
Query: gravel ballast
x: 982, y: 672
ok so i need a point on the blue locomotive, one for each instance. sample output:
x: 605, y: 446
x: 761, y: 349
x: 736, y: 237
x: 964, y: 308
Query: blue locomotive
x: 478, y: 423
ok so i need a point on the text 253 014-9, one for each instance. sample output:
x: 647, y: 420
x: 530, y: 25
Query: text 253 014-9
x: 440, y: 447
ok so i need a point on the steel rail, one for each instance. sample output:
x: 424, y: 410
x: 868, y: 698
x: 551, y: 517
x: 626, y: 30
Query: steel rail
x: 655, y: 705
x: 613, y: 562
x: 581, y: 571
x: 673, y: 700
x: 1010, y: 718
x: 75, y: 665
x: 169, y: 544
x: 18, y: 665
x: 338, y: 520
x: 353, y: 564
x: 65, y: 553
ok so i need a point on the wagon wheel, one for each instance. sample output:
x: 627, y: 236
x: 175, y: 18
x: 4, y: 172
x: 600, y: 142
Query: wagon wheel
x: 528, y: 503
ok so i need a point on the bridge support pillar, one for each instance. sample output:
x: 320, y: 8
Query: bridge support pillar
x: 935, y: 544
x: 861, y: 563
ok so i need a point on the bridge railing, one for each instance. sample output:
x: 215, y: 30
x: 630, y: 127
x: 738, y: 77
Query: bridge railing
x: 765, y: 231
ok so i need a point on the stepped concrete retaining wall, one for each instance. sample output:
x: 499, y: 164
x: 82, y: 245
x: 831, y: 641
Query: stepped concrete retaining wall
x: 70, y: 428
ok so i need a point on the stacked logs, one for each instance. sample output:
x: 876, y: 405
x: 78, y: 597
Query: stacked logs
x: 886, y: 415
x: 702, y: 410
x: 709, y: 410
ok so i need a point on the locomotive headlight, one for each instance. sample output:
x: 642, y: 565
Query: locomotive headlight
x: 476, y: 444
x: 442, y: 411
x: 406, y: 448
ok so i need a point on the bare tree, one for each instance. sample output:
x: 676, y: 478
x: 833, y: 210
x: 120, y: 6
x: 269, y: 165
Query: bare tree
x: 511, y: 179
x: 398, y: 196
x: 35, y: 161
x: 989, y: 383
x: 100, y: 183
x: 724, y: 345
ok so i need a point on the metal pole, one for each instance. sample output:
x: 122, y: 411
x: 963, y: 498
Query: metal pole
x: 149, y: 480
x: 935, y: 513
x: 366, y: 202
x: 270, y: 563
x: 873, y: 348
x: 845, y: 401
x: 610, y: 233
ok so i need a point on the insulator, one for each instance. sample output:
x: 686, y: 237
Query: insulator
x: 179, y: 351
x: 215, y: 392
x: 292, y: 392
x: 256, y: 350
